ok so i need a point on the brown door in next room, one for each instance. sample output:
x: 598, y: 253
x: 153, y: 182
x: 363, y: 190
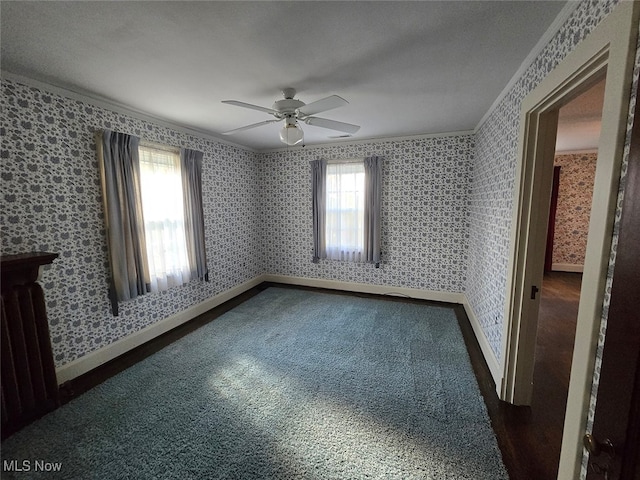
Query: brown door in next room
x: 548, y: 259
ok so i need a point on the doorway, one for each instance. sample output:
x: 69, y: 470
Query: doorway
x: 607, y: 50
x: 574, y: 167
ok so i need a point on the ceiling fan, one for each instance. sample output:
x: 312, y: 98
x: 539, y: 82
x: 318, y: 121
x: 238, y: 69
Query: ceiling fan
x: 292, y: 111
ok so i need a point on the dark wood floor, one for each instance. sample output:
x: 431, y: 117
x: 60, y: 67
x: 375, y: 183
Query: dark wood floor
x: 529, y: 437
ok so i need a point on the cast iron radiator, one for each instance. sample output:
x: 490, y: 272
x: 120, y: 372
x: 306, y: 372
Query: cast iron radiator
x: 29, y: 384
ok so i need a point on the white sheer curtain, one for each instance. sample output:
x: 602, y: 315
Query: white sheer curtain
x: 163, y: 210
x: 344, y: 231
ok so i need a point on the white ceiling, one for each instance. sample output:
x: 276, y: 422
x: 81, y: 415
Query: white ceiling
x: 406, y: 68
x: 579, y: 121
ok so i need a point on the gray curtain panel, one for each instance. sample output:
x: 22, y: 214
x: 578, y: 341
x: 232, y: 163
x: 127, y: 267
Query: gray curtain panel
x: 191, y: 167
x: 372, y: 203
x: 319, y: 195
x: 120, y: 169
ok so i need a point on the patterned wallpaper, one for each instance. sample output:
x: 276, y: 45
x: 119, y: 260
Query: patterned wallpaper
x: 51, y: 201
x: 493, y: 176
x: 257, y: 214
x: 425, y: 199
x: 577, y: 175
x: 446, y: 239
x: 493, y: 182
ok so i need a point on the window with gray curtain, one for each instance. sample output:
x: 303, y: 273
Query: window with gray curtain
x: 372, y: 207
x: 346, y: 210
x: 318, y: 188
x: 153, y: 215
x: 191, y: 163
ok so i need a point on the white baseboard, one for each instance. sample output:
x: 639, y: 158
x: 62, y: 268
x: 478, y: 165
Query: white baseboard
x: 367, y: 288
x: 567, y: 267
x: 487, y: 352
x: 94, y: 359
x: 98, y: 357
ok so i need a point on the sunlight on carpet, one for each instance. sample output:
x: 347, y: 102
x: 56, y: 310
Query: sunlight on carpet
x: 289, y: 384
x: 339, y: 431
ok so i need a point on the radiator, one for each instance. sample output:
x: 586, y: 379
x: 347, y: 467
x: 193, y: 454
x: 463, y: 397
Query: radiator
x: 29, y: 384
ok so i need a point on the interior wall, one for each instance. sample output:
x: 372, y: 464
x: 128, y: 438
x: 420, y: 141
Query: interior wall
x: 496, y: 157
x: 493, y: 177
x: 577, y: 175
x: 52, y: 201
x: 257, y: 214
x: 425, y: 216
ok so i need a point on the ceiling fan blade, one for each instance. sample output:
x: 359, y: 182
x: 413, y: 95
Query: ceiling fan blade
x: 249, y: 105
x: 332, y: 124
x: 247, y: 127
x: 322, y: 105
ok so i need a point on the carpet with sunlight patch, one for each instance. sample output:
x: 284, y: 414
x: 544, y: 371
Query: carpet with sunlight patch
x: 290, y: 384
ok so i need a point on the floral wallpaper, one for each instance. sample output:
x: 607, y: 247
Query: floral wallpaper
x: 493, y: 176
x: 425, y: 199
x: 257, y: 214
x: 492, y: 187
x: 52, y: 201
x: 257, y: 206
x: 577, y: 176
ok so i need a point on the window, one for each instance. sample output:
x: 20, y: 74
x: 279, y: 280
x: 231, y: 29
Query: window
x: 346, y: 205
x: 163, y: 212
x: 154, y: 217
x: 344, y: 229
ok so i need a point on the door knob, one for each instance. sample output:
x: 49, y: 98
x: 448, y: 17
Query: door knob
x: 595, y: 447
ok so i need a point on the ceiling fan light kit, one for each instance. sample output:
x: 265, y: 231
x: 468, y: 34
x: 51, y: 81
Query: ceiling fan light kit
x: 291, y: 133
x: 292, y: 110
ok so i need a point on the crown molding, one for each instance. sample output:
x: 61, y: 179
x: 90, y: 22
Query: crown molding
x: 370, y: 140
x: 553, y: 29
x: 101, y: 102
x: 107, y: 104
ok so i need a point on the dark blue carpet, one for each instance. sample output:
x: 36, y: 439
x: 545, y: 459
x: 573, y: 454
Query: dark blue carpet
x: 289, y: 384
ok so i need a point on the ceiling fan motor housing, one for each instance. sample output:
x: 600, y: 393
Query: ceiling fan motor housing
x: 287, y: 106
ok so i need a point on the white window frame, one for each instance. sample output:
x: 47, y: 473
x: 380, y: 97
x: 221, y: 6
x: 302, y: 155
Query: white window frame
x: 353, y: 251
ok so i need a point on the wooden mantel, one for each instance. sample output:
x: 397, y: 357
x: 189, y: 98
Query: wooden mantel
x: 23, y: 267
x: 29, y: 385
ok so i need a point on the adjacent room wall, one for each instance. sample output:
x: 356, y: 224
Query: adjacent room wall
x: 577, y: 174
x: 52, y: 201
x: 425, y: 217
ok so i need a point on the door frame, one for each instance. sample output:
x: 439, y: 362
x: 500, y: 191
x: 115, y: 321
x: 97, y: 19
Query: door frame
x: 609, y: 49
x: 617, y: 411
